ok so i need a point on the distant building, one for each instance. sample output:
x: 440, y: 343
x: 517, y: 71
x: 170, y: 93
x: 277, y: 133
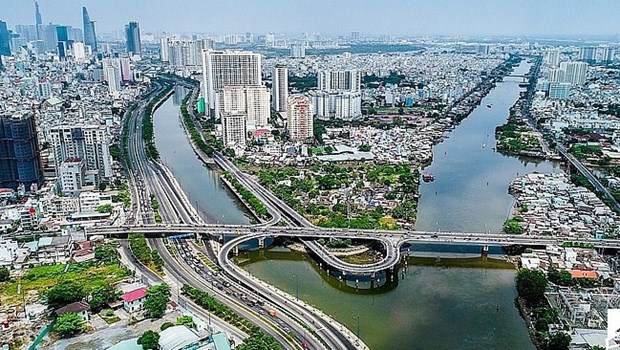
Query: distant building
x: 5, y: 37
x: 125, y: 65
x: 559, y: 91
x: 184, y: 52
x: 229, y: 68
x: 483, y: 49
x: 347, y: 80
x: 113, y: 78
x: 298, y: 51
x: 44, y: 90
x: 79, y: 51
x: 342, y: 105
x: 132, y: 36
x: 38, y: 21
x: 552, y: 57
x: 588, y: 54
x: 279, y: 88
x: 299, y: 113
x: 574, y: 72
x: 90, y: 36
x: 20, y: 161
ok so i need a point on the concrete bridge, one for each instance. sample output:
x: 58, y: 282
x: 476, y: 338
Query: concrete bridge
x: 392, y: 241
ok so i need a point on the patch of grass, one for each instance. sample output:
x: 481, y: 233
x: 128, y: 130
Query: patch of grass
x: 42, y: 278
x: 488, y: 263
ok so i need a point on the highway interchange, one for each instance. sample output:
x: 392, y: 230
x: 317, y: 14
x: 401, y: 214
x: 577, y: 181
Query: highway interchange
x: 295, y: 318
x: 290, y: 327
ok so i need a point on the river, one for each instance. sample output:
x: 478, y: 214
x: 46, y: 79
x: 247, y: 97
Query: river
x: 211, y: 197
x: 427, y: 307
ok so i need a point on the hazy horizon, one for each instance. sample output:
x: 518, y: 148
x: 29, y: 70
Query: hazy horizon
x: 392, y: 17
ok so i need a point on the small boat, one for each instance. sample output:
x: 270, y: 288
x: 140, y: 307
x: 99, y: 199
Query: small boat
x: 489, y: 106
x: 428, y: 177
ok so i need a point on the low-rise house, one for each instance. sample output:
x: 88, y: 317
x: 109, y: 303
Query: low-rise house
x: 79, y: 307
x: 132, y: 301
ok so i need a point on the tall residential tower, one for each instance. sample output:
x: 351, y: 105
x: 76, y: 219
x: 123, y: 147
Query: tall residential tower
x: 229, y: 68
x: 279, y: 88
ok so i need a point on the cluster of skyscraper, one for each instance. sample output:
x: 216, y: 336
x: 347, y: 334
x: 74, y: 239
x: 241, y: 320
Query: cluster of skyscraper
x: 232, y: 83
x: 64, y: 40
x: 184, y: 53
x: 339, y: 95
x: 564, y: 75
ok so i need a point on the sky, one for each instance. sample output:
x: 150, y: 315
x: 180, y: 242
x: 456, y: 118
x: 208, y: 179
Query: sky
x: 392, y: 17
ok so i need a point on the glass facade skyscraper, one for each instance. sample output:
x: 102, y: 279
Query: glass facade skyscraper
x: 20, y: 161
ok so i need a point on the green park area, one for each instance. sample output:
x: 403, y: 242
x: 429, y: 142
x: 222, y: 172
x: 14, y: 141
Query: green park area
x: 515, y: 137
x: 364, y: 196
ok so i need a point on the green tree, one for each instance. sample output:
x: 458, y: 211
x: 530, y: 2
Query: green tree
x: 64, y: 293
x: 69, y: 324
x: 558, y: 341
x: 106, y: 253
x: 166, y: 325
x: 103, y: 186
x: 149, y: 340
x: 4, y: 274
x: 157, y: 298
x: 186, y: 320
x: 364, y: 148
x: 531, y: 286
x: 106, y: 208
x: 101, y: 296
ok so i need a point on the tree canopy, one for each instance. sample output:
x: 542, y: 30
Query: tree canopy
x: 149, y: 340
x: 531, y: 286
x: 69, y: 325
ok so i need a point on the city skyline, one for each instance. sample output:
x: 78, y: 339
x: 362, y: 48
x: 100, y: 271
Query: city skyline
x: 446, y: 17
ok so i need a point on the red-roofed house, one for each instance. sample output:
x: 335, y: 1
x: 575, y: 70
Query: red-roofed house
x: 132, y: 301
x: 583, y: 274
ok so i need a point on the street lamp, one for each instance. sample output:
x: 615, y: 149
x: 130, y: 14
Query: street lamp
x: 296, y: 286
x: 358, y: 327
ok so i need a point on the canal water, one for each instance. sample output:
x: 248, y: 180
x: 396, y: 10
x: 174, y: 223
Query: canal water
x: 429, y: 307
x: 470, y: 191
x: 213, y: 200
x: 426, y: 308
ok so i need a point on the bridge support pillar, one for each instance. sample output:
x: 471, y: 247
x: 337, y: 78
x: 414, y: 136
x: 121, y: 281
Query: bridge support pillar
x: 261, y: 242
x: 236, y: 250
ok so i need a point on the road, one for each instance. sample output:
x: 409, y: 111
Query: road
x: 152, y: 178
x: 588, y: 174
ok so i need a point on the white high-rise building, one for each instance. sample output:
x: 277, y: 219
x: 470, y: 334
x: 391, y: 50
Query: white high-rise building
x: 279, y: 88
x: 556, y: 75
x: 574, y: 72
x: 114, y: 79
x: 300, y: 124
x: 552, y: 57
x: 252, y: 101
x: 229, y: 68
x: 348, y: 80
x: 298, y: 51
x: 79, y: 51
x: 184, y: 52
x: 71, y: 174
x: 234, y: 132
x: 90, y: 143
x: 336, y: 104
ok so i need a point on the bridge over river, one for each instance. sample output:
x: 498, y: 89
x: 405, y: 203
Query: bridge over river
x: 392, y: 241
